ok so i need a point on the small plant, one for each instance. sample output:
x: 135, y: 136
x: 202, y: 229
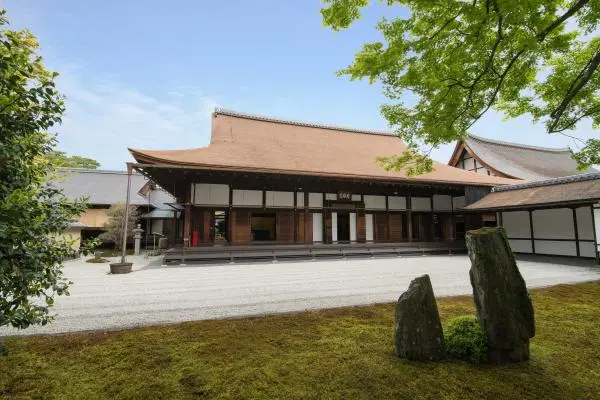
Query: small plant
x: 97, y: 259
x: 465, y: 339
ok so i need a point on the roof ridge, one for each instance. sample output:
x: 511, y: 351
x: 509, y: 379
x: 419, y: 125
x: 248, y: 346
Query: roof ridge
x: 549, y: 182
x: 95, y: 171
x: 257, y: 117
x: 519, y: 145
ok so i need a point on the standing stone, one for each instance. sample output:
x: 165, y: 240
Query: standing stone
x: 419, y: 334
x: 503, y: 304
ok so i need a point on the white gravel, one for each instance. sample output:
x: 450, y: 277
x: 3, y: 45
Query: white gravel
x: 156, y: 295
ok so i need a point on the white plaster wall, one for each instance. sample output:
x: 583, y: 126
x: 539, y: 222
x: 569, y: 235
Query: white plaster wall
x: 317, y: 219
x: 353, y: 227
x: 421, y: 203
x: 442, y: 202
x: 334, y: 236
x: 315, y: 200
x: 356, y: 197
x: 397, y: 203
x: 516, y: 224
x: 369, y: 227
x: 556, y: 223
x: 330, y: 196
x: 458, y: 202
x: 249, y: 198
x: 300, y: 199
x: 157, y: 226
x: 279, y: 199
x: 585, y: 226
x: 587, y: 249
x: 520, y: 246
x: 374, y: 202
x: 211, y: 194
x: 555, y: 247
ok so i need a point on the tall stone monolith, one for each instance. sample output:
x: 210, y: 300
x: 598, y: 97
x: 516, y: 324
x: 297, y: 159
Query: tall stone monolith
x: 503, y: 304
x: 418, y: 331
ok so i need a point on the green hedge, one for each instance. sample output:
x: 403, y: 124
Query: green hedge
x: 465, y: 339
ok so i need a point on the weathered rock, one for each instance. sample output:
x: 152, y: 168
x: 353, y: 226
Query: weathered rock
x: 503, y: 304
x: 419, y: 334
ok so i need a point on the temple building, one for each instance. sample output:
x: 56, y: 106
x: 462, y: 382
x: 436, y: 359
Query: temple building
x: 513, y: 160
x: 263, y: 180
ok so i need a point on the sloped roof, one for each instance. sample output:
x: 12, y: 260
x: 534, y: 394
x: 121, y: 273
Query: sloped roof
x: 255, y: 143
x: 102, y: 187
x: 517, y: 160
x: 571, y: 189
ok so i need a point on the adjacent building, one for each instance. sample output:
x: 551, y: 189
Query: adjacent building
x: 104, y: 188
x: 512, y: 160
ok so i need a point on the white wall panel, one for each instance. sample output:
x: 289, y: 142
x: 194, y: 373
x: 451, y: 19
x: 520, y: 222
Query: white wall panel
x: 421, y: 203
x: 315, y: 200
x: 585, y: 226
x: 516, y: 224
x: 334, y: 236
x: 300, y: 199
x: 247, y: 198
x: 374, y: 202
x: 587, y: 249
x: 317, y: 219
x: 555, y: 223
x: 442, y: 202
x: 330, y: 196
x: 356, y: 197
x: 458, y: 202
x: 397, y: 203
x: 279, y: 199
x: 555, y: 247
x: 520, y: 246
x: 157, y: 227
x: 353, y: 227
x: 211, y: 194
x: 369, y: 227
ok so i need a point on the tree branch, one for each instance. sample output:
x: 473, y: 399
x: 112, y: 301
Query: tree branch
x: 578, y: 83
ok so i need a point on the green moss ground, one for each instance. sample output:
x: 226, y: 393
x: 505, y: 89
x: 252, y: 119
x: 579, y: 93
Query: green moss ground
x: 340, y: 353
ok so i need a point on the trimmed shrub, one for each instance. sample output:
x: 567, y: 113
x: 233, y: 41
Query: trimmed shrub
x: 465, y: 339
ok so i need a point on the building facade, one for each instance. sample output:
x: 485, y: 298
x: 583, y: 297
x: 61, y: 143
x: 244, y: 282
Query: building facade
x: 265, y: 180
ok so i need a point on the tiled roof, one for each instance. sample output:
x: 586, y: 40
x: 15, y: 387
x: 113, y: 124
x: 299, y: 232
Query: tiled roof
x: 102, y: 187
x: 565, y: 190
x: 521, y: 161
x: 263, y: 144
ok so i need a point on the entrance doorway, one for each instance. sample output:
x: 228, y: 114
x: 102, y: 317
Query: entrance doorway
x: 343, y: 227
x: 219, y: 227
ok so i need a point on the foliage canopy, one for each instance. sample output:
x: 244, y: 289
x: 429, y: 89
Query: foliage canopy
x: 32, y: 213
x: 459, y: 59
x: 61, y: 159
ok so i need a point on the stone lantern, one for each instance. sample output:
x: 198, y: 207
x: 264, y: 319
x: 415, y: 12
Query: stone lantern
x: 137, y: 236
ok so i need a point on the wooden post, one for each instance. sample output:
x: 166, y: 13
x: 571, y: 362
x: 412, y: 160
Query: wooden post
x: 531, y: 232
x: 576, y: 233
x: 230, y: 216
x: 127, y: 200
x: 306, y: 227
x: 389, y: 219
x: 409, y: 218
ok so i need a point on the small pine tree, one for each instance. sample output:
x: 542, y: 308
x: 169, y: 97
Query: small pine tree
x: 115, y: 225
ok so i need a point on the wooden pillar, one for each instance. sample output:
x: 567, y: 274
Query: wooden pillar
x: 186, y: 224
x: 409, y: 218
x: 307, y: 227
x: 230, y: 216
x: 531, y: 232
x: 389, y: 220
x: 295, y: 216
x: 576, y: 232
x: 594, y: 233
